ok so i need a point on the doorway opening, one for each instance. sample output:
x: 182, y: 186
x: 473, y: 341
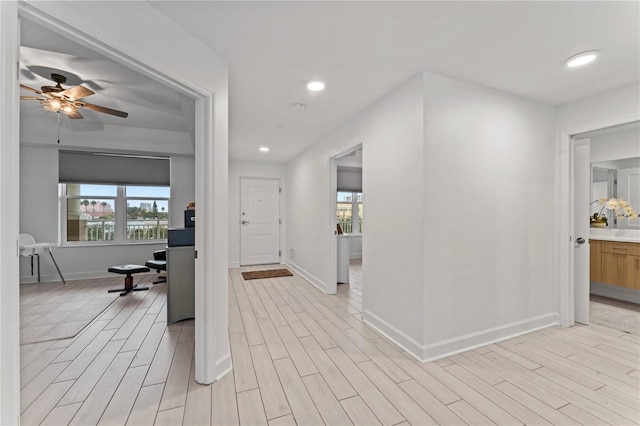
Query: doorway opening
x: 349, y: 222
x: 606, y: 273
x: 210, y: 155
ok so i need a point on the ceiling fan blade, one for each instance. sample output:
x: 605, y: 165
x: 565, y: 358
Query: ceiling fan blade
x: 32, y: 98
x: 74, y: 114
x: 105, y: 110
x: 76, y: 92
x: 31, y: 89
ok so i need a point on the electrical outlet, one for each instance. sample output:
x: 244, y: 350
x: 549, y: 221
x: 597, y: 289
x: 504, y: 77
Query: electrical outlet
x: 292, y: 253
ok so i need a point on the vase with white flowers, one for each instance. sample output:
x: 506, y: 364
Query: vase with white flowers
x: 621, y: 208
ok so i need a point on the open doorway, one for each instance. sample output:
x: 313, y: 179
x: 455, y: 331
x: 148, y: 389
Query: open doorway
x: 91, y: 27
x: 607, y: 285
x: 349, y: 217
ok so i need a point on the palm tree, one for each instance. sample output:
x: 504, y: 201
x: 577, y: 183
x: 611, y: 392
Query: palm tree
x: 84, y: 203
x: 93, y: 207
x: 103, y: 204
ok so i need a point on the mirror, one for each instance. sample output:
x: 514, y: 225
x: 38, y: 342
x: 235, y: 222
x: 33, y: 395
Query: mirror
x: 615, y: 170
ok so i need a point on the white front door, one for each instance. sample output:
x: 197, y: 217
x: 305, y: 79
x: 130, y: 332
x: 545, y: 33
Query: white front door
x: 259, y: 221
x: 580, y: 234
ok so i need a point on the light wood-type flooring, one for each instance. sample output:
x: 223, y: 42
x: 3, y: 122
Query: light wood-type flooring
x: 302, y: 357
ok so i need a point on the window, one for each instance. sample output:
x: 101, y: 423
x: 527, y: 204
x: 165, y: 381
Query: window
x: 105, y: 214
x: 347, y: 203
x: 147, y: 212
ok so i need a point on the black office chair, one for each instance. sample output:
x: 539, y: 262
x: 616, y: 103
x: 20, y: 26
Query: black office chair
x: 159, y: 263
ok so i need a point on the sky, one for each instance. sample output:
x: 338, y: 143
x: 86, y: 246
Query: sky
x: 132, y: 191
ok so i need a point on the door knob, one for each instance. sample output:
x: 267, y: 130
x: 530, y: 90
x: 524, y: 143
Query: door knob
x: 580, y: 240
x: 244, y: 222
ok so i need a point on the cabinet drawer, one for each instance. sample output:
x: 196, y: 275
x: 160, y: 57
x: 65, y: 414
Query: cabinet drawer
x: 631, y: 249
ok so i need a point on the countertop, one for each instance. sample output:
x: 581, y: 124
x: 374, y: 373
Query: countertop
x: 622, y: 235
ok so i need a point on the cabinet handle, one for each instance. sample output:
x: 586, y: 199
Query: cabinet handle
x: 637, y: 263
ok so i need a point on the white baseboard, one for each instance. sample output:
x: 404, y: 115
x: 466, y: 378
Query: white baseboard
x: 316, y: 282
x: 409, y: 344
x: 234, y: 264
x: 615, y: 292
x: 355, y: 255
x: 486, y: 337
x: 445, y: 348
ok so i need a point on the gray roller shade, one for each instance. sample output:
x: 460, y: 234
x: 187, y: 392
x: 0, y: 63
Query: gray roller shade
x: 113, y: 169
x: 349, y: 179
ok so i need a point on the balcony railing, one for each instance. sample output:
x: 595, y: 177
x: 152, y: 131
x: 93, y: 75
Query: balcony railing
x: 345, y: 224
x: 149, y: 230
x: 138, y: 229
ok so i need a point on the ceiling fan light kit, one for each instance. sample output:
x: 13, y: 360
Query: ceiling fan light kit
x: 67, y: 101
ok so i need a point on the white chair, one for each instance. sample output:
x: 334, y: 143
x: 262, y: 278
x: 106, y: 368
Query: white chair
x: 29, y: 248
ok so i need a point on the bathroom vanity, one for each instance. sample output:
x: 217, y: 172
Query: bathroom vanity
x: 615, y: 264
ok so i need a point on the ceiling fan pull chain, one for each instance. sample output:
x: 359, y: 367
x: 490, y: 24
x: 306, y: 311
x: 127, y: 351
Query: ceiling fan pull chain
x: 58, y: 114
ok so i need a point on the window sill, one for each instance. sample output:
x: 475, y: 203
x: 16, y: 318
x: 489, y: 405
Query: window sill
x: 113, y: 244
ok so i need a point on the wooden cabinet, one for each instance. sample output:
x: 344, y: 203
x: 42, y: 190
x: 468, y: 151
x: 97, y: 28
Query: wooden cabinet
x: 616, y: 263
x: 595, y: 264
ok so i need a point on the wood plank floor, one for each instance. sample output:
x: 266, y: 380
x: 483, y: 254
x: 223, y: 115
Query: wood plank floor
x: 302, y: 357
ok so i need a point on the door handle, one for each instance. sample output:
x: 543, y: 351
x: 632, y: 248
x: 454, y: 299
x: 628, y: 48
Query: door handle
x: 244, y: 222
x: 580, y: 240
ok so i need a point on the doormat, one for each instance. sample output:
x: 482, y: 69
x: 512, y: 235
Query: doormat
x: 274, y: 273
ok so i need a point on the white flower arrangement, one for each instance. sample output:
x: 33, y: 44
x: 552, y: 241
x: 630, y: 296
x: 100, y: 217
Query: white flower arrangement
x: 620, y: 207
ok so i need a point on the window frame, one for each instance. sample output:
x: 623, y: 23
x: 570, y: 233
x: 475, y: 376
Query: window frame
x: 120, y: 217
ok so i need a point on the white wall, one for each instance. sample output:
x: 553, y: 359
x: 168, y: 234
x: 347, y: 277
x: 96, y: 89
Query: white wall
x: 615, y: 146
x: 39, y: 216
x: 182, y: 189
x: 249, y: 169
x: 470, y: 261
x: 391, y: 134
x: 488, y: 199
x: 604, y: 110
x: 115, y: 138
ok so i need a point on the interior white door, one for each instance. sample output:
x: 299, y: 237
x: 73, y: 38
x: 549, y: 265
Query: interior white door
x: 259, y: 221
x: 580, y: 235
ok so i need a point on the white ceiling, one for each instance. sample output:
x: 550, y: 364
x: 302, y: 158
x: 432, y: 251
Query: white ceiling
x: 362, y: 50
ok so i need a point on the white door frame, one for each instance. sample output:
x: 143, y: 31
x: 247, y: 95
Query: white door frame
x: 332, y: 283
x: 279, y: 214
x: 9, y: 222
x: 212, y: 354
x: 564, y: 196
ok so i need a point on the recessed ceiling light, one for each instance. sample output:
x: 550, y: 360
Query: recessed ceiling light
x: 582, y: 59
x: 264, y: 149
x: 315, y: 85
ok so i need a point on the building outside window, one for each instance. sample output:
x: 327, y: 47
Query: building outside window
x: 107, y: 214
x: 347, y: 203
